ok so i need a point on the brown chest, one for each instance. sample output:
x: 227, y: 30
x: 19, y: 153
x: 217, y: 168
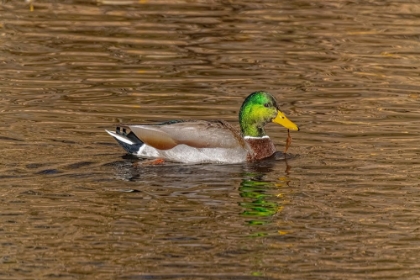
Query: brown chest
x: 259, y: 148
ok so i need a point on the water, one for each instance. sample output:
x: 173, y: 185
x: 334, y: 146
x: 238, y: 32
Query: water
x: 73, y: 206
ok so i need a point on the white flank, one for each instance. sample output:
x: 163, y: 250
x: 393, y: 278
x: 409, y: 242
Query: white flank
x: 252, y: 137
x: 190, y: 155
x: 140, y: 151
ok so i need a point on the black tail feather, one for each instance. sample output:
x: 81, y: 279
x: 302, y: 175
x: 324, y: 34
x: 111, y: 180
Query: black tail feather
x: 130, y: 148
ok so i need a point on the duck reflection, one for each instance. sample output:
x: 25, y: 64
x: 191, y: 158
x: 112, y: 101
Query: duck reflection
x: 262, y: 198
x: 259, y: 186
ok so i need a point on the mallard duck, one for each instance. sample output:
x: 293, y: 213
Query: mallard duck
x: 208, y: 141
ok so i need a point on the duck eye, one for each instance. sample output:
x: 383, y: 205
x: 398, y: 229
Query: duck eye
x: 266, y: 105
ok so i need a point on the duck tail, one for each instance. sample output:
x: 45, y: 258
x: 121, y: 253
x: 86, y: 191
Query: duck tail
x: 129, y: 141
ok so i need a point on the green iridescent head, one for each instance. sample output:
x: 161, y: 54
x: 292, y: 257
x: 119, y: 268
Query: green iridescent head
x: 258, y: 109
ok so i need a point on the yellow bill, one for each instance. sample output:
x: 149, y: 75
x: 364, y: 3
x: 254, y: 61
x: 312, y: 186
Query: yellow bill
x: 284, y: 121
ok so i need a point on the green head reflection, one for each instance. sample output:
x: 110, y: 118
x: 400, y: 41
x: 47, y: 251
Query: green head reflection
x: 261, y: 200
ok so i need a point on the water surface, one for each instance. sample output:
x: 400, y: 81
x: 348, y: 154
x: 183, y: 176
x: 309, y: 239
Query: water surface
x: 73, y: 206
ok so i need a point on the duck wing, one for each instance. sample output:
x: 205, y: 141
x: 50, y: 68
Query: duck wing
x: 197, y: 134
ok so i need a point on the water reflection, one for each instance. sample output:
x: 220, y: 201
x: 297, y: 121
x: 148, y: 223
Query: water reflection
x: 262, y: 198
x: 257, y: 201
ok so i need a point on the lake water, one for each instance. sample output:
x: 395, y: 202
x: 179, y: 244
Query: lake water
x: 74, y: 206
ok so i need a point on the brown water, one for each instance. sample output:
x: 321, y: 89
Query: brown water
x: 74, y: 207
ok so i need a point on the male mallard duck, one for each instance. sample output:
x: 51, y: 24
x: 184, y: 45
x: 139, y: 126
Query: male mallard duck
x: 208, y: 141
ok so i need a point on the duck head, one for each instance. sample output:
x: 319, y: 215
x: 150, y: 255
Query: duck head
x: 258, y: 109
